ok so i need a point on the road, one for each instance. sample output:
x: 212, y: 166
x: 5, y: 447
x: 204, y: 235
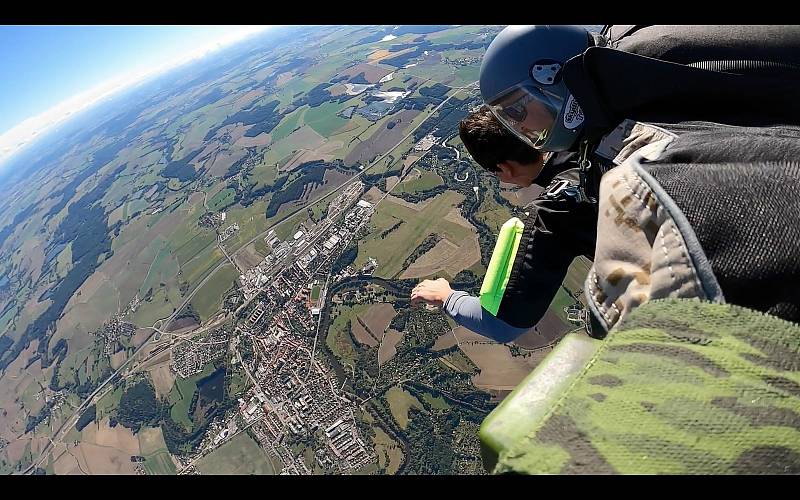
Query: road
x: 165, y: 322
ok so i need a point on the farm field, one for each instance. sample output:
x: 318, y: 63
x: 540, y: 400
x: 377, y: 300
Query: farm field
x: 241, y: 455
x: 417, y: 221
x: 400, y: 402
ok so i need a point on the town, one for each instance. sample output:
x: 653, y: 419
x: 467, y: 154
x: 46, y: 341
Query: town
x: 293, y: 404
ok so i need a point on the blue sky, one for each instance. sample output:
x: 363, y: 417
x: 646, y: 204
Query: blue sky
x: 42, y: 66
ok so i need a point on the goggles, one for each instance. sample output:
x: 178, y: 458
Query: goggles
x: 528, y: 111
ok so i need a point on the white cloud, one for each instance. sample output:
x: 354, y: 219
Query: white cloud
x: 22, y: 134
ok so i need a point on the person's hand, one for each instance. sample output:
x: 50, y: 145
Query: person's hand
x: 433, y: 292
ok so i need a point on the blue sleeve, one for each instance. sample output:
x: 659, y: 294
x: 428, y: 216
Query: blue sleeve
x: 467, y: 312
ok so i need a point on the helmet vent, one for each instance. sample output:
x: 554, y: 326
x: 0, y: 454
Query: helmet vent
x: 546, y: 72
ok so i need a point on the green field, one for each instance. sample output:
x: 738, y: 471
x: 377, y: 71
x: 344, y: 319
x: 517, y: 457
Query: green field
x: 162, y: 304
x: 154, y: 450
x: 289, y: 123
x: 7, y: 317
x: 161, y: 258
x: 338, y: 338
x: 459, y: 361
x: 355, y: 127
x: 438, y: 73
x: 221, y: 200
x: 198, y: 267
x: 390, y: 455
x: 436, y: 402
x: 159, y: 464
x: 492, y: 213
x: 315, y: 292
x: 63, y: 261
x: 252, y: 220
x: 194, y: 245
x: 180, y: 397
x: 323, y: 118
x: 263, y: 174
x: 294, y: 86
x: 238, y: 382
x: 289, y: 226
x: 109, y: 403
x: 456, y: 34
x: 416, y: 226
x: 428, y: 180
x: 208, y: 299
x: 577, y: 272
x: 241, y: 455
x: 261, y: 247
x: 400, y: 402
x: 466, y: 75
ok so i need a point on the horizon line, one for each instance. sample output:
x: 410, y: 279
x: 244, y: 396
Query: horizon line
x: 27, y: 132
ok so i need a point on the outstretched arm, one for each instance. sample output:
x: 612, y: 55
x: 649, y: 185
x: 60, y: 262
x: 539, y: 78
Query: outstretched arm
x: 464, y: 309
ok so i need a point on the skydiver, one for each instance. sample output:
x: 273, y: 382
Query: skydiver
x: 624, y: 94
x: 566, y: 229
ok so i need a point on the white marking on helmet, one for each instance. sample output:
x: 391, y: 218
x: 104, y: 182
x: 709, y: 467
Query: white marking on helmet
x: 545, y: 73
x: 573, y: 114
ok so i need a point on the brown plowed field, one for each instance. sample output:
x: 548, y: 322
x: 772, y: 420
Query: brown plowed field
x: 378, y: 318
x: 372, y: 73
x: 444, y: 341
x: 387, y: 349
x: 520, y: 197
x: 163, y: 379
x: 381, y: 140
x: 549, y: 329
x: 373, y: 194
x: 323, y: 152
x: 361, y: 334
x: 500, y: 371
x: 118, y: 437
x: 445, y: 256
x: 391, y: 182
x: 331, y: 180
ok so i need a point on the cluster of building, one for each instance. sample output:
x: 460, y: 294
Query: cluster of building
x: 228, y: 232
x: 311, y: 245
x: 55, y: 399
x: 212, y: 220
x: 112, y: 330
x: 297, y: 401
x: 220, y: 432
x: 462, y: 61
x: 189, y: 357
x: 294, y: 402
x: 426, y: 143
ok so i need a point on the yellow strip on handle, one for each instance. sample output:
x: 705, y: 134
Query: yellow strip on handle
x: 499, y: 271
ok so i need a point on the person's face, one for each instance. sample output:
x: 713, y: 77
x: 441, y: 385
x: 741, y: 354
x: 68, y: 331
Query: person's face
x: 528, y: 112
x: 520, y: 174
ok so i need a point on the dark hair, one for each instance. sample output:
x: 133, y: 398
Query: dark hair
x: 489, y: 143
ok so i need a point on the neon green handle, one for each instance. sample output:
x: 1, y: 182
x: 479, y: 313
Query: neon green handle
x: 499, y: 271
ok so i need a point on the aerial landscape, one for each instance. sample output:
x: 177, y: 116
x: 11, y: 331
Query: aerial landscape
x: 210, y: 272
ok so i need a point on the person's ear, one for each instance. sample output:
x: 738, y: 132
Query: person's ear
x: 506, y: 169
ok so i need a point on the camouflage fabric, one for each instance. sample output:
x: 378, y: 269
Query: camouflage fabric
x: 641, y: 252
x: 679, y: 386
